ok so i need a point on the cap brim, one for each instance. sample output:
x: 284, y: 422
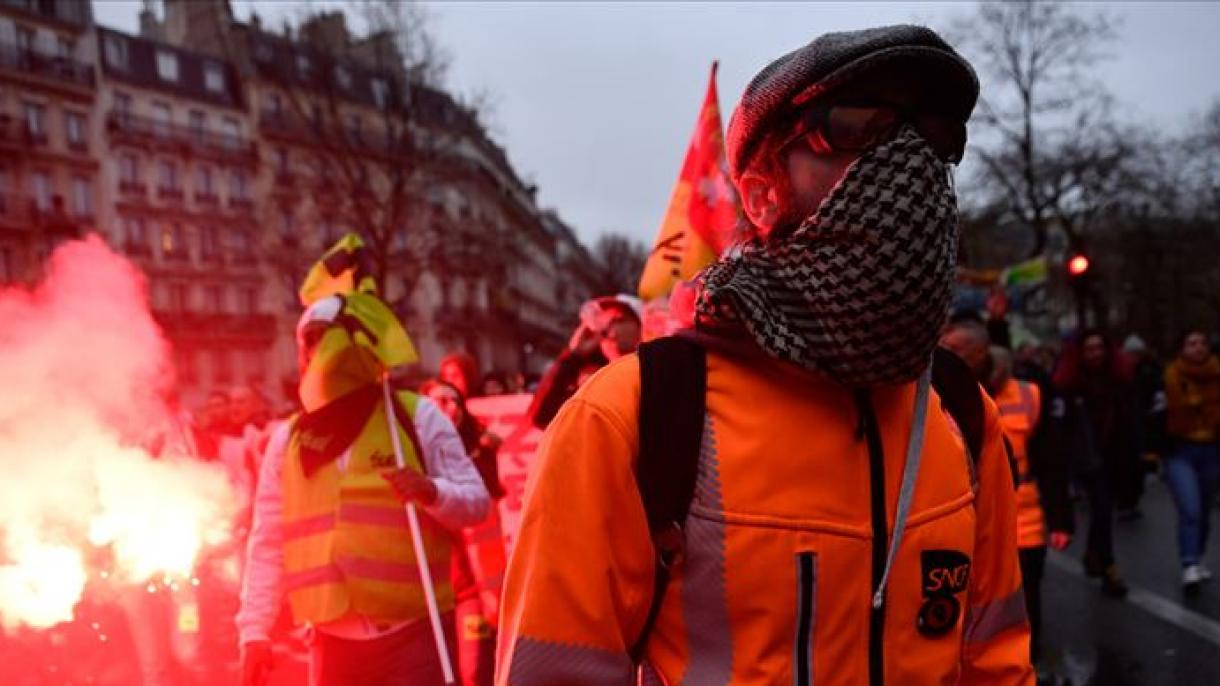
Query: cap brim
x: 940, y: 81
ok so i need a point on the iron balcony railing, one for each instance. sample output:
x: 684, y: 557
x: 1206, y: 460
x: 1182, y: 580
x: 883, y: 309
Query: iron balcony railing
x: 62, y: 69
x: 121, y: 124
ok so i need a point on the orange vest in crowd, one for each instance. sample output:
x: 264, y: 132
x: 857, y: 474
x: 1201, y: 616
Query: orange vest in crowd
x: 347, y: 546
x: 776, y: 585
x: 484, y: 544
x: 1020, y: 405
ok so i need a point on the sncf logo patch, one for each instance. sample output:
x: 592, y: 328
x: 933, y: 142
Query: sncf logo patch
x: 945, y: 574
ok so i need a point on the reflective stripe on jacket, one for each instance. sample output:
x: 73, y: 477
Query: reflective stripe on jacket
x: 1019, y: 404
x: 347, y: 545
x: 775, y: 586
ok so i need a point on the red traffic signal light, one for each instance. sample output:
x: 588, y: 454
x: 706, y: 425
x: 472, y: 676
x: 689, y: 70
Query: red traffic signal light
x: 1078, y: 265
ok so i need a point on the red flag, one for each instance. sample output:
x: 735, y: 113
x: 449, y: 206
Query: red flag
x: 703, y: 209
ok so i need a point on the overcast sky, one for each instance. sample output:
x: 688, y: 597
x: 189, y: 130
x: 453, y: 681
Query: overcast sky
x: 595, y: 102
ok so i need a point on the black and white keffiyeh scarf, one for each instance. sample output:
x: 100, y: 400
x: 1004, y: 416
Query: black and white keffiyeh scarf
x: 859, y: 291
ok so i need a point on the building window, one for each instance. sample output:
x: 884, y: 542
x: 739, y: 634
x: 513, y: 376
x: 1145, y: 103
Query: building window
x: 75, y: 126
x: 179, y: 297
x: 198, y: 121
x: 281, y: 161
x: 239, y: 187
x: 42, y: 192
x: 356, y: 126
x: 35, y: 121
x: 66, y: 48
x: 213, y: 78
x: 187, y: 366
x: 275, y: 105
x: 255, y: 367
x: 173, y: 241
x: 122, y: 108
x: 247, y: 301
x: 213, y: 299
x: 167, y: 65
x: 116, y: 51
x: 137, y: 237
x: 129, y: 169
x: 8, y: 265
x: 82, y: 197
x: 381, y: 92
x: 288, y: 228
x: 304, y: 67
x: 241, y: 244
x: 343, y: 77
x: 222, y: 367
x: 232, y: 131
x: 25, y: 40
x: 203, y: 181
x: 263, y: 52
x: 162, y: 119
x: 209, y: 242
x: 169, y: 175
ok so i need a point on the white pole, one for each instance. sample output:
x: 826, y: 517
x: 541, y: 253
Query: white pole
x: 417, y: 540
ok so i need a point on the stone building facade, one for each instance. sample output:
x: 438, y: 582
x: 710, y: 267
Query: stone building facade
x: 224, y: 158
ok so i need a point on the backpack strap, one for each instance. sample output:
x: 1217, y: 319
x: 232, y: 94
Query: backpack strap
x: 673, y: 385
x: 961, y: 397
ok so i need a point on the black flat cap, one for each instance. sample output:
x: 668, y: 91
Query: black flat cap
x: 837, y: 59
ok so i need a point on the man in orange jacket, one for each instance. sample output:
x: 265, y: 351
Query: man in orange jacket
x: 840, y: 531
x: 1042, y: 474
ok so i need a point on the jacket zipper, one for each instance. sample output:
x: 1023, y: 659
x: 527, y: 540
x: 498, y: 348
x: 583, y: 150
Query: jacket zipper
x: 876, y: 473
x: 802, y: 660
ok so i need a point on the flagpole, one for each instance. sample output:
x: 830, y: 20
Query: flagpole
x: 417, y: 540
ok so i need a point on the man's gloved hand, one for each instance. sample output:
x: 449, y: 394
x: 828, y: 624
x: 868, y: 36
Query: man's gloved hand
x: 257, y: 660
x: 1060, y: 540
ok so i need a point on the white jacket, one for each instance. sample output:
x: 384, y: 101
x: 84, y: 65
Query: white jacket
x: 462, y: 500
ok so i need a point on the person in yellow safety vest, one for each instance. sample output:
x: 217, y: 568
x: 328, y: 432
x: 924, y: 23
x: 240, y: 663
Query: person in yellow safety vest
x: 330, y: 532
x: 843, y: 527
x: 1042, y: 472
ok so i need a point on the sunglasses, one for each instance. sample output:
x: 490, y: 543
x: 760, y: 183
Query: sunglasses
x: 828, y: 129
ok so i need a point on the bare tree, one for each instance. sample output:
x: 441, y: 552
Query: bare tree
x: 378, y: 132
x: 1050, y: 151
x: 620, y: 261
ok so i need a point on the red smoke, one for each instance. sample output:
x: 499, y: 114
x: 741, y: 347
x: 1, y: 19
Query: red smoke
x: 85, y: 372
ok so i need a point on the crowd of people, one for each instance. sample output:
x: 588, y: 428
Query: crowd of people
x: 815, y: 475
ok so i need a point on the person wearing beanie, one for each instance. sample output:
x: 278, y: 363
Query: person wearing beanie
x: 801, y: 488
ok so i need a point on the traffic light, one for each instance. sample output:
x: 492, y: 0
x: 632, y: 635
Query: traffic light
x: 1078, y: 265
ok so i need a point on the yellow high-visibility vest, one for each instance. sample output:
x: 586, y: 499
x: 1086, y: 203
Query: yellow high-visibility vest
x: 347, y: 546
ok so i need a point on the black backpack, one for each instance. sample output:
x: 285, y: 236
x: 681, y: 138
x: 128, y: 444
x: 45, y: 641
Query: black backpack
x: 673, y: 385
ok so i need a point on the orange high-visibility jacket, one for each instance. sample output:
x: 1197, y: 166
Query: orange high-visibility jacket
x: 1019, y: 404
x: 777, y: 582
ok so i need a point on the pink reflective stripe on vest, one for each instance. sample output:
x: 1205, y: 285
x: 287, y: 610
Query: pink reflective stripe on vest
x: 309, y: 526
x: 1027, y: 400
x: 364, y: 568
x: 393, y: 572
x: 1025, y: 407
x: 316, y: 576
x: 375, y: 515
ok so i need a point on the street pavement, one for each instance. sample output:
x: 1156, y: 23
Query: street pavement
x: 1157, y: 635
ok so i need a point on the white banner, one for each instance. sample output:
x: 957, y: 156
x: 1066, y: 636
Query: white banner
x: 504, y: 416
